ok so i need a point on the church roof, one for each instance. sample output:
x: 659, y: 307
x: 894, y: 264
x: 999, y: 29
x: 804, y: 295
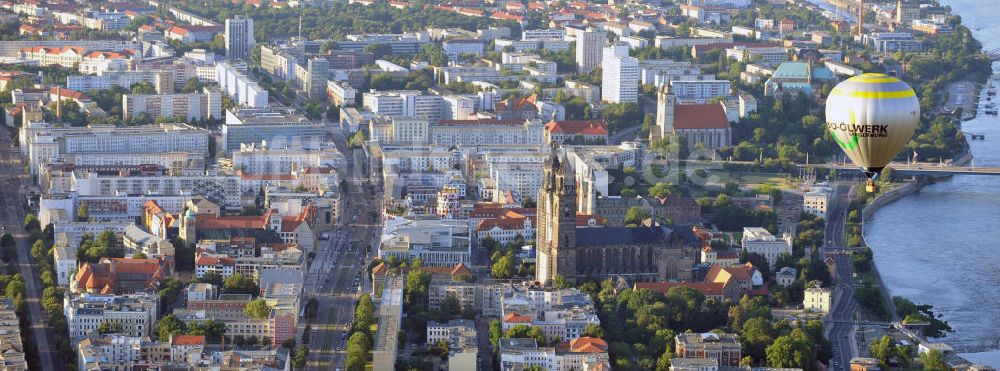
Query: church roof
x: 700, y: 116
x: 619, y: 236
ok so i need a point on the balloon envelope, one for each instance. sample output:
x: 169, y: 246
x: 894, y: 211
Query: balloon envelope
x: 872, y: 116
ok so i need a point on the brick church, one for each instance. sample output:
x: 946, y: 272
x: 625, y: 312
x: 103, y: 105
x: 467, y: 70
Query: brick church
x: 638, y: 254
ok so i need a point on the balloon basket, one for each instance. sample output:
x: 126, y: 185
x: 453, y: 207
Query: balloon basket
x: 870, y: 186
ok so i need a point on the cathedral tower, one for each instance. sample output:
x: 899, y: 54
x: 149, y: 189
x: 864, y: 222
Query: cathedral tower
x: 555, y: 239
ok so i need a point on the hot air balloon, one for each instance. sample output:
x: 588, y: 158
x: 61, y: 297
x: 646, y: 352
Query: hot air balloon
x: 872, y: 116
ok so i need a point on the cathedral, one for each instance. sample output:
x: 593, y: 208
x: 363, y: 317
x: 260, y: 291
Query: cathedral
x: 637, y: 254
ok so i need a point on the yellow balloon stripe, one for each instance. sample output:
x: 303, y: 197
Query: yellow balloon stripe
x: 874, y: 94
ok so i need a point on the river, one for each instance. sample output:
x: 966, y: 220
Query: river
x: 941, y: 246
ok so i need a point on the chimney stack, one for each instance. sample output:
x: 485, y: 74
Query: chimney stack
x: 861, y: 17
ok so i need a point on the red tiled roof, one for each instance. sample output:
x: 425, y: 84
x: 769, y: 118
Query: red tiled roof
x: 578, y: 127
x: 516, y: 318
x: 290, y: 223
x: 187, y: 340
x: 124, y: 54
x: 102, y: 277
x: 212, y: 221
x: 504, y: 16
x: 588, y: 345
x: 582, y: 219
x: 504, y: 223
x: 726, y: 275
x: 64, y: 93
x: 700, y: 116
x: 54, y: 50
x: 152, y: 207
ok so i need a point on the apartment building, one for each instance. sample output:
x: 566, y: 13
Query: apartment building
x: 136, y: 313
x: 237, y: 85
x: 193, y: 106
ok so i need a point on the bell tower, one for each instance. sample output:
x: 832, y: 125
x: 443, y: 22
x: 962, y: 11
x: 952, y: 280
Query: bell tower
x: 555, y: 238
x: 665, y: 102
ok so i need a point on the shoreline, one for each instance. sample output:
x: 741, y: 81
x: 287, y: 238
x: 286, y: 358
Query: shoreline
x: 894, y: 195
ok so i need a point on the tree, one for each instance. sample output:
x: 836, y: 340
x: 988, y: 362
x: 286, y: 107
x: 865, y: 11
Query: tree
x: 525, y: 331
x: 885, y: 350
x: 8, y: 248
x: 635, y: 215
x: 504, y: 266
x: 257, y: 309
x: 933, y: 361
x: 192, y: 85
x: 170, y: 289
x: 496, y: 332
x: 212, y: 277
x: 756, y: 334
x: 139, y: 255
x: 450, y: 306
x: 31, y: 223
x: 794, y: 350
x: 301, y: 355
x: 593, y: 330
x: 169, y: 325
x: 306, y: 334
x: 241, y: 284
x: 109, y: 328
x: 82, y: 212
x: 358, y: 346
x: 144, y: 87
x: 364, y: 313
x: 212, y: 330
x: 312, y: 308
x: 661, y: 189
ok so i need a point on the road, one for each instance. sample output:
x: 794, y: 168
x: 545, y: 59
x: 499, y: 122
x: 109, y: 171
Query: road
x: 840, y: 334
x: 13, y: 182
x: 337, y: 274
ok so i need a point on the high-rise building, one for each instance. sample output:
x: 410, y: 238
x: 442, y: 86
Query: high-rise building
x: 239, y: 37
x: 620, y: 75
x: 315, y: 85
x: 588, y: 49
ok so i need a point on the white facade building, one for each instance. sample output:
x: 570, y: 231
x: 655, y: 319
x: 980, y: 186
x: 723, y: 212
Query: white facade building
x: 238, y: 86
x: 700, y: 91
x: 589, y: 45
x: 620, y: 81
x: 759, y: 240
x: 818, y: 299
x: 817, y: 201
x: 136, y: 313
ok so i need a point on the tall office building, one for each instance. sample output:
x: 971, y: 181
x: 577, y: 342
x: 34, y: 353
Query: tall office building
x: 588, y: 49
x: 315, y: 85
x: 620, y: 75
x: 239, y: 37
